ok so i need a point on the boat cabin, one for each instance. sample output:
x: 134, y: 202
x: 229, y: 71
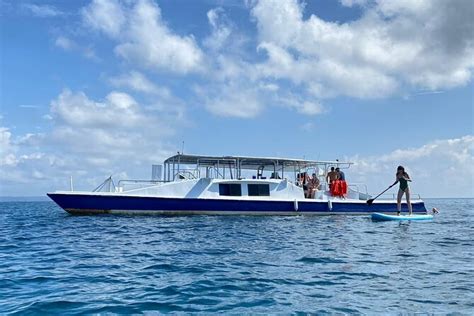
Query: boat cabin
x: 182, y: 166
x: 236, y: 177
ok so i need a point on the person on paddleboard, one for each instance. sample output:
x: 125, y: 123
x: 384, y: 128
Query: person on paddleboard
x: 403, y: 178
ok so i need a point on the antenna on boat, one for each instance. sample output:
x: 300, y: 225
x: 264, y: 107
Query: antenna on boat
x: 182, y: 148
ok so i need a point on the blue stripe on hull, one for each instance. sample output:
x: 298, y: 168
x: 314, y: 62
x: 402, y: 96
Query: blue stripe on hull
x: 378, y: 207
x: 80, y: 203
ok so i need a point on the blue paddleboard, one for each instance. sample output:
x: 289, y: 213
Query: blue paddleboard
x: 413, y: 217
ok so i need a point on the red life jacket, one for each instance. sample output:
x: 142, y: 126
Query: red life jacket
x: 343, y: 187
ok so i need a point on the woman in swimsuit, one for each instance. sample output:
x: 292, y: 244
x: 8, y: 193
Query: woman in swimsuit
x: 403, y: 178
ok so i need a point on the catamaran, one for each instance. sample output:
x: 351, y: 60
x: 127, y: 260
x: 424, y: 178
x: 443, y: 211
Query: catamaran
x: 230, y: 185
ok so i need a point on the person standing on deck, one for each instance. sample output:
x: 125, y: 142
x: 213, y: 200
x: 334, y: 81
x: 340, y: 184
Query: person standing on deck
x: 313, y: 185
x: 340, y: 174
x: 342, y: 178
x: 331, y: 177
x: 403, y: 178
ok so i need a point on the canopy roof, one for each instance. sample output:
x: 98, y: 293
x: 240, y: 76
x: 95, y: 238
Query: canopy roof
x: 247, y: 162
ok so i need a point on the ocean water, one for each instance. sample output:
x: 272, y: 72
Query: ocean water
x: 55, y: 263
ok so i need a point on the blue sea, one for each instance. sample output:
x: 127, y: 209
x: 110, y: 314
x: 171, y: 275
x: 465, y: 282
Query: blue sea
x: 55, y: 263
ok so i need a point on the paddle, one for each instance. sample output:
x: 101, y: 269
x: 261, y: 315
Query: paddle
x: 372, y: 200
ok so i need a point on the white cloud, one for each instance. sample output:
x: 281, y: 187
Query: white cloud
x: 152, y: 44
x: 241, y: 89
x: 394, y: 45
x: 118, y: 109
x: 351, y: 3
x: 142, y: 36
x: 160, y: 98
x: 230, y: 68
x: 278, y: 22
x: 301, y: 105
x: 309, y: 108
x: 38, y: 175
x: 14, y: 156
x: 307, y: 127
x: 234, y: 99
x: 139, y: 82
x: 231, y: 87
x: 441, y: 168
x: 29, y: 106
x: 272, y: 87
x: 69, y: 45
x: 42, y: 11
x: 117, y: 127
x: 221, y: 29
x: 107, y: 16
x: 89, y: 139
x: 64, y: 43
x: 7, y: 149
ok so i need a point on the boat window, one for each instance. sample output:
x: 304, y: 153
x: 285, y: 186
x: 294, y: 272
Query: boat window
x: 230, y: 189
x: 259, y: 189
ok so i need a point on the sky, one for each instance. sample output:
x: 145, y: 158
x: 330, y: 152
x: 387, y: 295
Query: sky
x: 90, y: 89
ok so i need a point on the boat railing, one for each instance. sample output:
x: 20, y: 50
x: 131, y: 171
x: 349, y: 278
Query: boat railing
x: 189, y: 174
x: 107, y: 186
x: 324, y: 187
x: 358, y: 187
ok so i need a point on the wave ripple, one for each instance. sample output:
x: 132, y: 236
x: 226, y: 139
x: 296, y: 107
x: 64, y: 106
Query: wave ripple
x: 54, y: 263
